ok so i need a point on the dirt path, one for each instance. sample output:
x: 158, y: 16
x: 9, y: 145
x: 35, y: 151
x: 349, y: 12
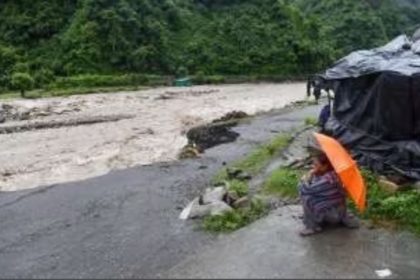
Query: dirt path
x: 154, y: 132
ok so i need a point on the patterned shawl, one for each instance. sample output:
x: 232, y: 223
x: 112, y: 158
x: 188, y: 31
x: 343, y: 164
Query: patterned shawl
x: 322, y: 193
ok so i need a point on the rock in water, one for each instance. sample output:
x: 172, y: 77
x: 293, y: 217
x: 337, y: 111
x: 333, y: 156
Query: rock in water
x: 208, y: 136
x: 189, y: 152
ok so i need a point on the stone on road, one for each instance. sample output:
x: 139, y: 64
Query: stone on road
x: 272, y: 248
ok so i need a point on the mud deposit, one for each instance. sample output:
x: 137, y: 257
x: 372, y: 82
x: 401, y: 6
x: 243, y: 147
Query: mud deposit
x: 57, y: 140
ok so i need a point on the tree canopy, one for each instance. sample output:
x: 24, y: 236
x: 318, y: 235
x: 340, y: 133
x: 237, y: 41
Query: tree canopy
x: 236, y: 37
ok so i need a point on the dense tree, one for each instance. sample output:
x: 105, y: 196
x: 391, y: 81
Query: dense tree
x: 22, y: 82
x: 48, y: 38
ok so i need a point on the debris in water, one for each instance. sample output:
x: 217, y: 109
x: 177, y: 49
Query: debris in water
x: 189, y: 151
x: 384, y: 273
x: 235, y: 115
x: 208, y: 136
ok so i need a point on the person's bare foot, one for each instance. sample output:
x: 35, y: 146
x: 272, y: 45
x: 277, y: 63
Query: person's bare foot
x: 351, y: 222
x: 309, y: 231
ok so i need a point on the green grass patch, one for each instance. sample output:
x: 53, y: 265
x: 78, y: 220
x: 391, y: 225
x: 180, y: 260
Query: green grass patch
x: 256, y: 161
x: 201, y: 78
x: 235, y: 219
x: 81, y: 90
x: 252, y: 164
x: 240, y: 187
x: 311, y: 121
x: 94, y: 83
x: 103, y: 83
x: 283, y: 182
x: 401, y: 209
x: 115, y: 80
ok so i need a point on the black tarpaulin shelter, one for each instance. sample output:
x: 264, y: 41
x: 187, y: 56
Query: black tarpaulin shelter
x: 376, y: 109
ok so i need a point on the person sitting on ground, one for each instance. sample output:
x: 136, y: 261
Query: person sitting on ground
x: 323, y: 198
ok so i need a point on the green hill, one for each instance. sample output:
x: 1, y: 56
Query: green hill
x: 50, y: 39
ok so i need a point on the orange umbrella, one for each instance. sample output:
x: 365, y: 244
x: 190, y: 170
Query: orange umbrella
x: 346, y: 168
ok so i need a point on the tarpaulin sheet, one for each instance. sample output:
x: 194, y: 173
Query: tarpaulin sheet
x: 400, y: 56
x: 376, y: 110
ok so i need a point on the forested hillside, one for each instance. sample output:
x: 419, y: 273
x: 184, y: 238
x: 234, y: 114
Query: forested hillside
x: 46, y: 39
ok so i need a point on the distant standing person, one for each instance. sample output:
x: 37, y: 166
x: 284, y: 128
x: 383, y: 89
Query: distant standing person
x: 416, y: 36
x: 315, y: 83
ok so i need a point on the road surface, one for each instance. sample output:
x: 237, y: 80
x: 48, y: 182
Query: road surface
x: 124, y: 224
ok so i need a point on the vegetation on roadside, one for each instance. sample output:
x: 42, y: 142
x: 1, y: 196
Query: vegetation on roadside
x: 398, y: 210
x: 236, y: 219
x: 255, y: 161
x: 402, y: 209
x: 251, y: 164
x: 241, y: 188
x: 311, y: 121
x: 283, y: 182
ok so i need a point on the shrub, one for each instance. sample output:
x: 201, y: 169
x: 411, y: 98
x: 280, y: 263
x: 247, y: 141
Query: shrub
x: 241, y: 188
x: 43, y: 77
x: 402, y: 207
x: 182, y: 72
x: 310, y: 121
x: 22, y: 82
x: 21, y: 67
x: 92, y: 81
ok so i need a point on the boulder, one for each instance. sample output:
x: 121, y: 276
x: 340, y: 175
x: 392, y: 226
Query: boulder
x: 244, y: 176
x: 213, y: 195
x: 242, y: 203
x: 416, y: 186
x: 200, y: 211
x: 218, y: 208
x: 236, y: 173
x: 388, y: 186
x: 195, y: 210
x: 231, y: 197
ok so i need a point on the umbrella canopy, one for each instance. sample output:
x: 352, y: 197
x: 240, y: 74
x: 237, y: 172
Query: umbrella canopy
x: 345, y: 167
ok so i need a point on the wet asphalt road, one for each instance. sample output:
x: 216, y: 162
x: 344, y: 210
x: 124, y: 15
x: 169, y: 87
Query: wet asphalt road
x: 124, y: 224
x: 271, y: 249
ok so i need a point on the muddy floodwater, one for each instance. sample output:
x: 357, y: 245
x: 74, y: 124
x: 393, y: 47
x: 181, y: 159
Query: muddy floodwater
x: 56, y: 140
